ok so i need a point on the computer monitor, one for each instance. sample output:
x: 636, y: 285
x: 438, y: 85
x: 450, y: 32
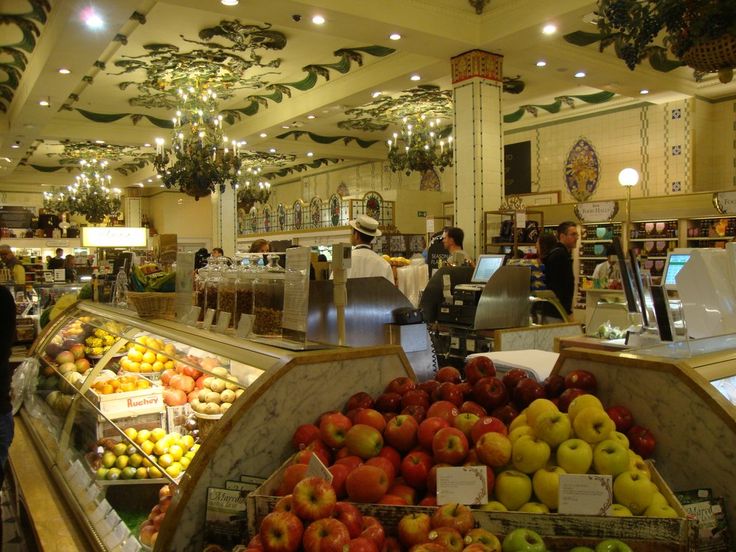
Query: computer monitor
x: 675, y: 261
x: 485, y: 267
x: 627, y: 276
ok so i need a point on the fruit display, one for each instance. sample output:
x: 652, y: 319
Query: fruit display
x: 150, y: 277
x: 120, y: 384
x: 114, y: 460
x: 396, y: 261
x: 150, y: 527
x: 208, y: 387
x: 148, y: 355
x: 388, y: 449
x: 99, y: 342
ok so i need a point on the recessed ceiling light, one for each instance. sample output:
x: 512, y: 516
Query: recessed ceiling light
x: 285, y: 126
x: 149, y: 180
x: 64, y: 71
x: 15, y: 146
x: 415, y: 77
x: 541, y: 63
x: 318, y: 20
x: 229, y: 2
x: 99, y: 141
x: 44, y: 103
x: 92, y: 19
x: 376, y: 94
x: 272, y: 150
x: 310, y: 116
x: 158, y: 177
x: 310, y: 154
x: 549, y: 29
x: 146, y: 145
x: 140, y: 184
x: 643, y: 91
x: 263, y: 135
x: 395, y: 36
x: 580, y: 74
x: 161, y: 185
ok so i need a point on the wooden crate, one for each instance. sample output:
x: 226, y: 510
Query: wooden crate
x: 560, y: 531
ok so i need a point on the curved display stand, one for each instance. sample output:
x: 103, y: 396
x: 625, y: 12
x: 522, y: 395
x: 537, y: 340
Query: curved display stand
x: 695, y: 426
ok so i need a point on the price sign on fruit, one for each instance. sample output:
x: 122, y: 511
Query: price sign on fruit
x: 462, y: 485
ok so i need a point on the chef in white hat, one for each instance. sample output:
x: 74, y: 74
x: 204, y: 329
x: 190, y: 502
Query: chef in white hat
x: 366, y: 262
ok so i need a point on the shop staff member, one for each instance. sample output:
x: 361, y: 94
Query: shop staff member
x: 608, y: 269
x: 558, y: 272
x: 7, y: 337
x: 453, y: 242
x: 10, y: 262
x: 58, y: 261
x: 366, y: 262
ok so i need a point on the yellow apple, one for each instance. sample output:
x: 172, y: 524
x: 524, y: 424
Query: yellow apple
x: 610, y: 458
x: 520, y: 431
x: 147, y: 446
x: 537, y: 407
x: 546, y: 485
x: 592, y: 424
x: 174, y: 470
x: 142, y: 436
x: 513, y: 489
x: 520, y: 420
x: 618, y: 510
x: 154, y: 472
x: 634, y: 491
x: 534, y: 508
x: 580, y: 402
x: 553, y: 427
x: 659, y: 500
x: 574, y: 456
x: 493, y: 506
x: 157, y: 434
x: 530, y: 454
x: 659, y: 511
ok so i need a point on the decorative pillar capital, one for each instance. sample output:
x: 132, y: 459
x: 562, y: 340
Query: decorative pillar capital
x: 477, y: 63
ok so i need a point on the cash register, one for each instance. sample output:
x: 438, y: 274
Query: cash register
x: 461, y: 308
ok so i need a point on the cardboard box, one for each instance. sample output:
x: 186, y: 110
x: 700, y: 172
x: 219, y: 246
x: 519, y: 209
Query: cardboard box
x: 560, y: 531
x: 121, y: 405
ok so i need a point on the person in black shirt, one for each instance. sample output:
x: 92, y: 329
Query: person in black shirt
x: 7, y: 338
x: 58, y: 261
x: 558, y: 272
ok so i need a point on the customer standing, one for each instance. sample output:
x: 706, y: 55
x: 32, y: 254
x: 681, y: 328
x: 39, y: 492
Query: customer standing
x: 364, y: 261
x: 453, y: 242
x: 558, y: 272
x: 7, y: 338
x: 58, y: 260
x: 13, y: 264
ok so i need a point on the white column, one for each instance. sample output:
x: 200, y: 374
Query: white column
x: 224, y: 220
x: 477, y: 81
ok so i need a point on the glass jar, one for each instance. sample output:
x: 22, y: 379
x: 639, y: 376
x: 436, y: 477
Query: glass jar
x: 227, y: 293
x: 268, y: 299
x: 198, y: 287
x: 212, y: 284
x: 247, y: 272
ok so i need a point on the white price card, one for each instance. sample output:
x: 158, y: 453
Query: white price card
x: 209, y: 316
x: 315, y: 468
x: 585, y: 494
x: 245, y: 325
x: 462, y: 485
x: 223, y: 321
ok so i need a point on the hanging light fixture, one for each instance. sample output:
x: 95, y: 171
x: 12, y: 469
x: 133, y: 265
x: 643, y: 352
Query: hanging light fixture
x: 91, y: 195
x: 200, y: 159
x: 421, y: 144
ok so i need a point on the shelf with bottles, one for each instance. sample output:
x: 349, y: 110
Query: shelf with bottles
x: 710, y: 231
x: 509, y: 232
x: 653, y: 229
x: 601, y: 232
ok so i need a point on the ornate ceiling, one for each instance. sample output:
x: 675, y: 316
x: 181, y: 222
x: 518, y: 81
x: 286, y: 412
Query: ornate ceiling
x: 309, y: 92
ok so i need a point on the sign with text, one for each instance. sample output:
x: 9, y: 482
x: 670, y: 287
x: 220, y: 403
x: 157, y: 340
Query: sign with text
x: 585, y: 494
x: 296, y: 293
x: 462, y: 485
x: 725, y: 202
x: 114, y: 236
x: 596, y: 211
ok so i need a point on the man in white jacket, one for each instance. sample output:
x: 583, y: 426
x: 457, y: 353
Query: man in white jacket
x: 366, y: 262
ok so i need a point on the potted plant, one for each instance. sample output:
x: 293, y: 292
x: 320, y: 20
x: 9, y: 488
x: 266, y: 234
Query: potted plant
x: 700, y: 33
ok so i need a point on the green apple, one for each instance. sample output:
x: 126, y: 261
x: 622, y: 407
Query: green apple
x: 618, y: 510
x: 113, y: 474
x: 581, y: 402
x: 634, y: 491
x: 108, y: 459
x: 660, y: 511
x: 575, y: 456
x: 101, y: 473
x: 610, y: 458
x: 546, y: 485
x: 537, y: 408
x: 513, y: 488
x: 128, y: 472
x: 620, y: 437
x: 592, y: 424
x: 520, y: 431
x: 553, y: 427
x: 530, y: 454
x: 581, y: 549
x: 612, y: 545
x: 523, y: 540
x: 534, y: 508
x: 493, y: 506
x: 119, y: 449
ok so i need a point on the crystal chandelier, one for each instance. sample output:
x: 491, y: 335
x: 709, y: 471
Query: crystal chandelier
x: 90, y: 195
x: 421, y: 145
x: 201, y: 159
x: 252, y: 188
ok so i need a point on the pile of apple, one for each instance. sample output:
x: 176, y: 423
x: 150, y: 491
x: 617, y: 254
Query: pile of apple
x: 387, y: 450
x: 312, y: 519
x: 152, y: 524
x: 115, y: 460
x: 201, y: 382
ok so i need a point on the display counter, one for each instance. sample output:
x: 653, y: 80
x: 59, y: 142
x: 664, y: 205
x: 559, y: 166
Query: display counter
x: 101, y: 447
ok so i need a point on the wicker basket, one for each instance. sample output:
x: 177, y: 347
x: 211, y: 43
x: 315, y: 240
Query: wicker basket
x: 151, y: 304
x: 712, y: 55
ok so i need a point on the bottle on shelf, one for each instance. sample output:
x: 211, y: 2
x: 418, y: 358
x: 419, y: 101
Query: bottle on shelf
x: 121, y: 289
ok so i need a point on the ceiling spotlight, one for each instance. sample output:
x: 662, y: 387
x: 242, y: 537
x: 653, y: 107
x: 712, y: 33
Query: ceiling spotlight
x: 310, y: 116
x: 44, y: 103
x: 376, y: 94
x: 140, y: 184
x: 158, y: 177
x: 64, y: 71
x: 161, y: 186
x: 92, y: 19
x: 15, y: 146
x: 549, y: 29
x: 415, y: 77
x: 318, y: 20
x: 643, y: 91
x: 99, y: 141
x: 229, y: 2
x: 310, y: 154
x: 580, y: 75
x: 146, y: 145
x: 149, y: 180
x: 272, y: 150
x: 395, y: 36
x: 541, y: 63
x: 263, y: 135
x: 285, y: 126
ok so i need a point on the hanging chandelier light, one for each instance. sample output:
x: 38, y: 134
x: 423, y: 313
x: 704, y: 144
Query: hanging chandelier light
x: 91, y: 194
x: 201, y: 159
x: 421, y: 145
x: 252, y: 188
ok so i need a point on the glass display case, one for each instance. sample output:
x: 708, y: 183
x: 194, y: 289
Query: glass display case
x: 131, y: 416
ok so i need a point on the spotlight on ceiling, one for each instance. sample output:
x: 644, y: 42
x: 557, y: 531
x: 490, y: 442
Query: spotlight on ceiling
x: 580, y: 75
x: 229, y: 2
x: 643, y: 91
x: 64, y: 71
x: 310, y: 154
x: 541, y: 63
x: 549, y: 29
x: 263, y: 135
x: 318, y: 20
x: 415, y: 77
x: 92, y: 19
x: 394, y: 36
x: 44, y: 103
x: 376, y: 94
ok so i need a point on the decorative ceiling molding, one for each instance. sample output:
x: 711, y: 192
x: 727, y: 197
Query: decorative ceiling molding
x: 29, y: 24
x: 296, y: 134
x: 301, y: 167
x: 127, y: 159
x: 556, y: 106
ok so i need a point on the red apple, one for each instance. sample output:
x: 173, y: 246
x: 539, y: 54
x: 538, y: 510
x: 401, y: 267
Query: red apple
x: 448, y: 537
x: 77, y: 350
x: 199, y: 382
x: 457, y: 516
x: 448, y: 391
x: 388, y: 402
x: 432, y: 478
x: 359, y: 400
x: 478, y: 367
x: 392, y: 544
x: 313, y: 498
x: 641, y: 441
x: 494, y: 449
x: 408, y: 493
x: 386, y: 465
x: 415, y: 411
x: 467, y: 389
x: 325, y: 535
x: 371, y: 417
x: 393, y: 500
x: 339, y: 475
x: 450, y: 445
x: 581, y: 379
x: 284, y: 504
x: 366, y: 484
x: 364, y: 441
x: 427, y: 430
x: 350, y: 516
x: 486, y: 424
x: 351, y: 462
x: 292, y: 475
x: 428, y: 501
x: 180, y: 381
x: 400, y: 385
x: 174, y: 397
x: 465, y: 422
x: 527, y: 391
x: 473, y: 408
x: 443, y: 409
x: 303, y: 435
x: 373, y: 530
x: 621, y: 416
x: 281, y: 532
x: 415, y: 467
x: 342, y: 453
x: 166, y: 376
x: 190, y: 371
x: 362, y: 544
x: 82, y: 365
x: 414, y: 529
x: 415, y: 397
x: 333, y: 428
x: 567, y: 396
x: 490, y: 393
x: 554, y: 385
x: 317, y: 448
x: 448, y: 374
x: 401, y: 432
x: 512, y: 378
x: 429, y: 386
